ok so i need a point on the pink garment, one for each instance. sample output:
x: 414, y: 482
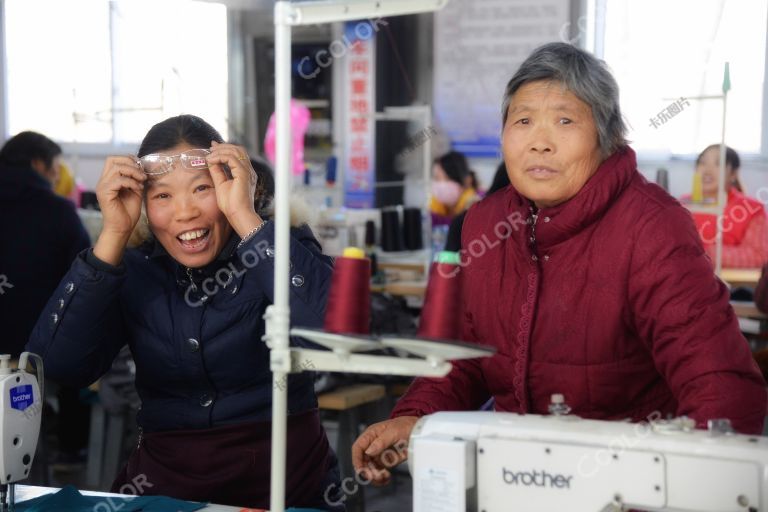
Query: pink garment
x: 300, y: 117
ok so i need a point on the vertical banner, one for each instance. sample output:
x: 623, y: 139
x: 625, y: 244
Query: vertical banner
x: 359, y: 140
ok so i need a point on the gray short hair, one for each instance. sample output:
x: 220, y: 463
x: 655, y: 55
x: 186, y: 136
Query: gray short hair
x: 585, y: 76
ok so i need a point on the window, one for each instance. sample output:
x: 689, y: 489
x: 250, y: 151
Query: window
x: 662, y: 51
x: 109, y: 70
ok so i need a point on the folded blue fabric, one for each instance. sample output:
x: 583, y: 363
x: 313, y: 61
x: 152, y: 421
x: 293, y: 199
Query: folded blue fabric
x: 69, y: 499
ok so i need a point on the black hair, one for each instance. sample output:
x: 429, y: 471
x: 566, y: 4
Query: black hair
x: 455, y: 166
x: 185, y: 128
x: 265, y: 189
x: 196, y: 132
x: 25, y: 147
x: 500, y: 179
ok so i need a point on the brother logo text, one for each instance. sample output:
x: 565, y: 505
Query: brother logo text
x: 536, y: 478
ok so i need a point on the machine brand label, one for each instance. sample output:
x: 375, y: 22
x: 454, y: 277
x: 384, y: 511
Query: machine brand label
x: 536, y: 479
x: 22, y: 397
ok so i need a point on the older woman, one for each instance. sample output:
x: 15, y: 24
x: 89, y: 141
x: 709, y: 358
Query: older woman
x: 602, y: 292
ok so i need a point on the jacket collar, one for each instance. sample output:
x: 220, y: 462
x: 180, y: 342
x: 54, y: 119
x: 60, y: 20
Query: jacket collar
x: 565, y: 220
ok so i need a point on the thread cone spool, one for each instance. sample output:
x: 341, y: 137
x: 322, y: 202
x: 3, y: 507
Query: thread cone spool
x: 412, y: 229
x: 662, y: 179
x: 441, y: 315
x: 370, y: 233
x: 697, y: 194
x: 349, y: 300
x: 391, y: 234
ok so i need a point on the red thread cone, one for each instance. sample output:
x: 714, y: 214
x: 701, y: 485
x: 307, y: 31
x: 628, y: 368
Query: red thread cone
x: 442, y: 311
x: 349, y: 300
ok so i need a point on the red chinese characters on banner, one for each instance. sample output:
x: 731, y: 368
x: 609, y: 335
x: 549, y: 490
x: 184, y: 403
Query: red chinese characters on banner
x: 359, y: 163
x: 358, y: 66
x: 358, y: 125
x: 359, y: 106
x: 359, y: 86
x: 360, y: 172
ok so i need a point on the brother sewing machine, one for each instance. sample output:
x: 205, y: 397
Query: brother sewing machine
x: 22, y: 407
x: 490, y: 462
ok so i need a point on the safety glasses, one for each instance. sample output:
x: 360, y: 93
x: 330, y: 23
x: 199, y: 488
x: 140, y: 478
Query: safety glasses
x: 156, y: 164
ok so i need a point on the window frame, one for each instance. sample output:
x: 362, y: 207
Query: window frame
x: 93, y: 149
x: 595, y: 13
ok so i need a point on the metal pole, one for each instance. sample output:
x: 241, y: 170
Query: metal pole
x: 278, y: 315
x: 722, y: 197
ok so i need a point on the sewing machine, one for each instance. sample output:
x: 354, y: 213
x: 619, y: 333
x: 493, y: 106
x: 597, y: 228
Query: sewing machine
x: 489, y: 462
x: 21, y: 406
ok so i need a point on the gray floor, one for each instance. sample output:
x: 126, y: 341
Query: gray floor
x: 395, y: 497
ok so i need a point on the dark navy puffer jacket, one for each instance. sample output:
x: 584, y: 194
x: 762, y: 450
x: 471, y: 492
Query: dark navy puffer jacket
x: 200, y: 358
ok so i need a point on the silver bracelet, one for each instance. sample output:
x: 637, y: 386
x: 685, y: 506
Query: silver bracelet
x: 252, y: 232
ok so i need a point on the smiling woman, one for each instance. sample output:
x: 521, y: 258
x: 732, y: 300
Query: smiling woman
x: 183, y: 213
x: 202, y: 371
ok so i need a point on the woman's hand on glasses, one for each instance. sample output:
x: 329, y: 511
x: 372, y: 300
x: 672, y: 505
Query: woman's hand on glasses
x: 119, y: 192
x: 234, y: 195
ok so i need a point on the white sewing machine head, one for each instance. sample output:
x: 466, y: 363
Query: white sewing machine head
x: 485, y: 461
x: 21, y: 408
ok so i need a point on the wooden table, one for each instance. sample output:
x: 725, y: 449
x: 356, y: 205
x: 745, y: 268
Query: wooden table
x: 741, y: 276
x: 348, y: 397
x: 402, y: 288
x: 747, y: 310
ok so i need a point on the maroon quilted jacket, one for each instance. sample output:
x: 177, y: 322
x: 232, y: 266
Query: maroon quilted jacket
x: 608, y: 299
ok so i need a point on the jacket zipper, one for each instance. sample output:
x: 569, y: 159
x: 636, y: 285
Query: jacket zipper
x: 534, y: 218
x: 191, y: 281
x: 141, y: 438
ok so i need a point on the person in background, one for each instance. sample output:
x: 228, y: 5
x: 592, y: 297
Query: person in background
x: 453, y: 240
x: 65, y: 185
x: 42, y: 234
x: 744, y: 225
x: 450, y: 193
x: 472, y: 182
x: 190, y: 304
x: 601, y: 291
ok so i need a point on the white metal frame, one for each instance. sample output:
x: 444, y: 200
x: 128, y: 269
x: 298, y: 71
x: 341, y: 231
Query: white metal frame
x: 422, y: 114
x: 722, y: 198
x: 286, y: 15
